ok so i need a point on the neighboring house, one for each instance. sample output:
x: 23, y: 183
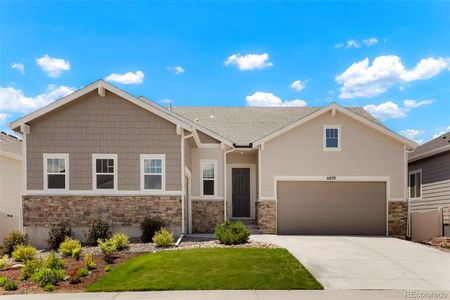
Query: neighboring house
x: 102, y: 153
x: 10, y: 183
x: 429, y: 179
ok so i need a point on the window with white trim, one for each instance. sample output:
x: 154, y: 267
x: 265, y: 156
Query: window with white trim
x: 153, y: 172
x: 415, y: 184
x: 104, y: 168
x: 332, y: 137
x: 56, y: 171
x: 208, y: 176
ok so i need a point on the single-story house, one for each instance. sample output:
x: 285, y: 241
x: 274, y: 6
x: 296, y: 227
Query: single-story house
x: 429, y: 187
x: 10, y: 183
x: 103, y: 153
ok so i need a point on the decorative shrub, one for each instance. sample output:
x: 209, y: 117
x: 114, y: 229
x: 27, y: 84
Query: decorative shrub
x: 49, y: 287
x: 163, y: 238
x: 3, y: 280
x: 121, y: 241
x: 70, y: 247
x: 4, y: 262
x: 149, y: 227
x: 13, y: 239
x: 30, y: 267
x: 23, y: 253
x: 58, y: 234
x: 10, y: 285
x: 108, y: 249
x: 89, y: 262
x: 232, y: 233
x: 98, y: 229
x: 74, y: 279
x: 45, y: 276
x: 54, y: 262
x: 107, y: 268
x: 83, y: 272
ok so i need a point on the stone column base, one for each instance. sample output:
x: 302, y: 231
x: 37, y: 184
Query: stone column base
x: 397, y: 218
x: 266, y: 216
x: 206, y: 214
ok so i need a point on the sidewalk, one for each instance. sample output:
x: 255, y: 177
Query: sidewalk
x: 247, y: 295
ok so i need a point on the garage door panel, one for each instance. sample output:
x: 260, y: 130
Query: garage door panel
x: 357, y: 208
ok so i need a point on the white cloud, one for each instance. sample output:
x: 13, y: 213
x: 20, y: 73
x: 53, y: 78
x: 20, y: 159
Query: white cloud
x: 176, y: 69
x: 270, y: 100
x: 441, y: 132
x: 370, y: 41
x: 13, y: 100
x: 3, y: 117
x: 413, y: 134
x: 390, y: 110
x: 19, y: 67
x: 249, y: 62
x: 127, y: 78
x: 298, y: 85
x: 339, y: 45
x: 53, y: 66
x: 352, y: 44
x: 364, y: 80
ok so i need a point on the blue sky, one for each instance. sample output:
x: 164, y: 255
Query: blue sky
x: 392, y: 58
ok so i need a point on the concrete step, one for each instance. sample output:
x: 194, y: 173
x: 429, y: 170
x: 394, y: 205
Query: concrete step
x: 252, y: 225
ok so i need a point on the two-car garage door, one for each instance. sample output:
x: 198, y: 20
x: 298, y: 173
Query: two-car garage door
x: 334, y: 208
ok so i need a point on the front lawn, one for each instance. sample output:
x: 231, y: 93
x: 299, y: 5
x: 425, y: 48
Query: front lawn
x: 209, y: 269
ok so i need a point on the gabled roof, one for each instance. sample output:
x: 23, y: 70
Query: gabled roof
x: 244, y: 125
x: 144, y: 103
x: 433, y: 147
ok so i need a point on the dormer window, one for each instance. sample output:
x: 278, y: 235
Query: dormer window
x: 332, y: 137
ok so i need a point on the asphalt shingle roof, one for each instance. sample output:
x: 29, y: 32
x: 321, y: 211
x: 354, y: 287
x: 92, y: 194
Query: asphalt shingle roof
x: 439, y: 142
x: 244, y: 125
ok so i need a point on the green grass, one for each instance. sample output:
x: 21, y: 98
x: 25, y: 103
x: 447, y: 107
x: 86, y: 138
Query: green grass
x: 208, y: 269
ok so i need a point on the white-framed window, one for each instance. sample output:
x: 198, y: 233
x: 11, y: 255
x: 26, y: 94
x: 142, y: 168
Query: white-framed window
x: 153, y: 172
x: 56, y: 171
x: 104, y: 171
x: 415, y: 184
x: 332, y: 137
x: 208, y: 178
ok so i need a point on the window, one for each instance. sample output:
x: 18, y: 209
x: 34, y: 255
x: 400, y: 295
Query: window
x: 208, y: 168
x: 415, y: 184
x: 332, y: 137
x: 56, y: 171
x: 153, y: 172
x: 104, y: 171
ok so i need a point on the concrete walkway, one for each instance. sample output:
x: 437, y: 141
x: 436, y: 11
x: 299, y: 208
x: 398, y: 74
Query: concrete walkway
x: 340, y: 262
x: 238, y: 295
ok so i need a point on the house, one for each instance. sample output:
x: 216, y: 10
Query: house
x: 429, y: 187
x: 102, y: 153
x: 10, y: 183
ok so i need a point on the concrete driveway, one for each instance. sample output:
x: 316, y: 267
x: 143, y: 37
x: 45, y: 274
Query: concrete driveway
x: 342, y: 262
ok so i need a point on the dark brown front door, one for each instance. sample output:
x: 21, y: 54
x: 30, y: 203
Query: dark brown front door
x: 241, y: 192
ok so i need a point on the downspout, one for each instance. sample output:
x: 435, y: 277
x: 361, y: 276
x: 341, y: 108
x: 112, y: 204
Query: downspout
x: 225, y: 181
x: 183, y: 187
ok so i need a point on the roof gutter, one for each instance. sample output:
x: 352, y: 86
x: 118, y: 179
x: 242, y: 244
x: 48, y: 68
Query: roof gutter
x: 429, y: 153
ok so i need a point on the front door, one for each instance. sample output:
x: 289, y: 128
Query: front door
x: 241, y: 192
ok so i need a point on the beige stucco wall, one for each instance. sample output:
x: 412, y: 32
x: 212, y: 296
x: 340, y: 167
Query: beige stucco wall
x: 206, y: 153
x: 365, y: 152
x: 92, y: 124
x: 10, y: 184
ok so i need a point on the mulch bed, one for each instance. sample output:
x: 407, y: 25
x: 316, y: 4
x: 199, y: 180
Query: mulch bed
x: 439, y: 242
x: 72, y: 266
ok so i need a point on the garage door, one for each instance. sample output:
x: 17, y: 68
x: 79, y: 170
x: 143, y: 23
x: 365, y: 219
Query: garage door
x: 335, y: 208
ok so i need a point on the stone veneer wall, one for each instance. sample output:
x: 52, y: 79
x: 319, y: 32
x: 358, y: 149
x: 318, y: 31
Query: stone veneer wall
x: 123, y: 213
x: 397, y: 218
x: 266, y: 216
x: 206, y: 214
